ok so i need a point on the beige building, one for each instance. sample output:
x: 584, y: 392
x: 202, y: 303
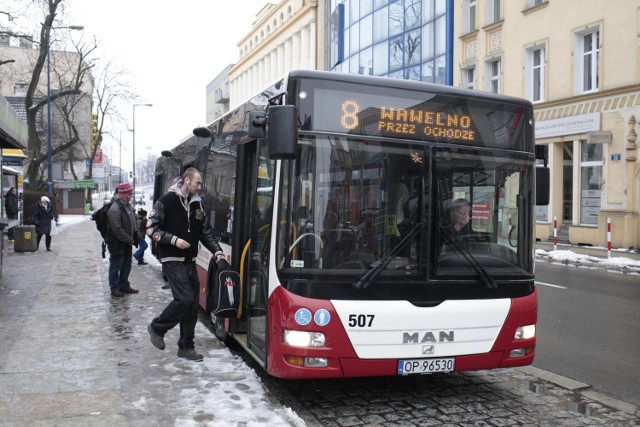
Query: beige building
x: 578, y: 61
x: 285, y: 36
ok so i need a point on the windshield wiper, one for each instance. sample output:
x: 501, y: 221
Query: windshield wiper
x: 486, y: 278
x: 370, y: 275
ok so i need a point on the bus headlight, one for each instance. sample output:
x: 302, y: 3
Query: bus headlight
x: 525, y: 332
x: 303, y: 339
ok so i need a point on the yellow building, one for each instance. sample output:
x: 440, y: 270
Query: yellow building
x: 578, y: 61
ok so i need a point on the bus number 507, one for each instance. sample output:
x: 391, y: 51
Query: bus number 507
x: 361, y: 320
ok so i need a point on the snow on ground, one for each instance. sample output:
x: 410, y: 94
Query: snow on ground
x: 567, y: 257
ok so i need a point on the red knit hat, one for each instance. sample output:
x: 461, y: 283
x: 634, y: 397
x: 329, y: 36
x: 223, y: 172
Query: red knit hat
x: 125, y: 188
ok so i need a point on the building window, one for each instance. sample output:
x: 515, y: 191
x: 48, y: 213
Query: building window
x: 534, y: 73
x: 469, y: 78
x: 590, y: 182
x: 531, y: 3
x: 493, y: 11
x: 493, y: 72
x: 469, y: 8
x: 336, y: 36
x: 587, y: 58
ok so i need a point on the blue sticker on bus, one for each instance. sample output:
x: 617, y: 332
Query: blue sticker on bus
x: 303, y: 316
x: 322, y: 317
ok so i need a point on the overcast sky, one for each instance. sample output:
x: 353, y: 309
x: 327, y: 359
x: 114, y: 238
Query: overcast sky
x: 172, y: 52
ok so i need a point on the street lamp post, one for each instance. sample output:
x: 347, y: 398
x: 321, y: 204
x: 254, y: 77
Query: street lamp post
x: 120, y: 159
x: 133, y: 147
x: 49, y: 175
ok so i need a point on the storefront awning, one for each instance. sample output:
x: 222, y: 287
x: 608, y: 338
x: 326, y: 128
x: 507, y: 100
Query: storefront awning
x: 13, y: 130
x: 12, y: 157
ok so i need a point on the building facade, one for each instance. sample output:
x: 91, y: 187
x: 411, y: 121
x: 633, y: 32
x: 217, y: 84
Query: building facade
x: 405, y: 39
x: 218, y: 95
x: 580, y: 67
x: 285, y: 36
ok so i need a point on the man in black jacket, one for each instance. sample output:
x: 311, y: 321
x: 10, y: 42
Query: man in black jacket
x: 121, y: 232
x: 178, y: 223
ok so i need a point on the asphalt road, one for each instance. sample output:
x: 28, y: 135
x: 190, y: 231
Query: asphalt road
x: 589, y: 328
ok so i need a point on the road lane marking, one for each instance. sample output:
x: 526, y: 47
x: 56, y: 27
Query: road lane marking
x: 549, y: 284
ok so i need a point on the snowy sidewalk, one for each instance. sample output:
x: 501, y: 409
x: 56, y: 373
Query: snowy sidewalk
x: 72, y: 355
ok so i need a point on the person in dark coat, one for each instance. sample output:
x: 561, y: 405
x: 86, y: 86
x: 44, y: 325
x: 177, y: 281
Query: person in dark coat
x: 12, y: 208
x: 121, y: 236
x: 141, y: 219
x: 42, y: 220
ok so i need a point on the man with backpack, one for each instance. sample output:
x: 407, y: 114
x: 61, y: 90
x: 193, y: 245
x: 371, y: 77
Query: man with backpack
x: 179, y: 223
x: 120, y: 237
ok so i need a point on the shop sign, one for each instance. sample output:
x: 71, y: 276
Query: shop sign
x: 568, y: 125
x: 87, y: 183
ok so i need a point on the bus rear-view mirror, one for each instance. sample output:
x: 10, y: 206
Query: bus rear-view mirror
x: 282, y: 131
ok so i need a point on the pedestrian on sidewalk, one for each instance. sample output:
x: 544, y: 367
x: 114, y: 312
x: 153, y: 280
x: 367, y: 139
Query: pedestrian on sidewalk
x: 141, y: 220
x: 121, y: 236
x: 12, y: 208
x: 178, y: 223
x: 42, y: 220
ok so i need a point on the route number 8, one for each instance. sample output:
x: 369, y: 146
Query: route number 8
x: 350, y: 110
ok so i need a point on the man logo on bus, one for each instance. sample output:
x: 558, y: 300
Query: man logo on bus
x: 414, y: 337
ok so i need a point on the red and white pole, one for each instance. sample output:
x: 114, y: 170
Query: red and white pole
x: 608, y: 237
x: 555, y: 232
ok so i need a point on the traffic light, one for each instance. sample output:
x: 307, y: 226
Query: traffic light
x: 94, y: 131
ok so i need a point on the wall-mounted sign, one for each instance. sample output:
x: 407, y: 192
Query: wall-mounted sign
x: 568, y: 125
x: 616, y: 157
x: 600, y: 137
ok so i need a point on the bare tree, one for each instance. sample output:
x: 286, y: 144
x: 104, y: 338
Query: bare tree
x: 72, y: 80
x: 112, y: 90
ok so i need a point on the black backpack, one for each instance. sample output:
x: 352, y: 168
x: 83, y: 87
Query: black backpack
x: 223, y: 295
x: 102, y: 224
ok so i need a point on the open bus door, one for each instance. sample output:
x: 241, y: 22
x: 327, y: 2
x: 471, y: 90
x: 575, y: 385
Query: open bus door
x: 257, y: 209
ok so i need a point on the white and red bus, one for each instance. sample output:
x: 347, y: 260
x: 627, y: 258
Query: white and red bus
x: 332, y: 195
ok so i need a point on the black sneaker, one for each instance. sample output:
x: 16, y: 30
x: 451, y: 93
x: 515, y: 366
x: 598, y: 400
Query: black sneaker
x: 117, y: 294
x: 156, y: 340
x: 129, y: 290
x: 190, y: 353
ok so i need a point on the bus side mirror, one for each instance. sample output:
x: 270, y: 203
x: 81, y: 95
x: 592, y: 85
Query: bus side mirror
x: 256, y: 124
x: 542, y: 186
x: 282, y: 131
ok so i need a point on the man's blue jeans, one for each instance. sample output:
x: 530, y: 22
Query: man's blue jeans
x: 119, y: 269
x: 142, y: 246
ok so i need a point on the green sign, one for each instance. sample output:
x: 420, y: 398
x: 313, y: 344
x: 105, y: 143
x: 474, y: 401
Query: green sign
x: 87, y: 183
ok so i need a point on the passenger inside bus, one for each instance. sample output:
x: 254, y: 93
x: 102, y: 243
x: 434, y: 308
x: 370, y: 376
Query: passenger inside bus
x: 460, y: 215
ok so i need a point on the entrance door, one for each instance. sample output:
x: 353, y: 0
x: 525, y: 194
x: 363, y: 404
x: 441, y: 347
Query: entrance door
x: 567, y: 181
x: 259, y: 214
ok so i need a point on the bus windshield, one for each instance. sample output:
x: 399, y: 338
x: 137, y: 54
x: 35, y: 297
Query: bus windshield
x: 355, y: 204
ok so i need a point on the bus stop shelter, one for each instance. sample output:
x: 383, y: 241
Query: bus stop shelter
x: 13, y: 135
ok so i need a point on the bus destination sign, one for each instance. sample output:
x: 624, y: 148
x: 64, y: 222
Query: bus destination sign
x: 368, y: 114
